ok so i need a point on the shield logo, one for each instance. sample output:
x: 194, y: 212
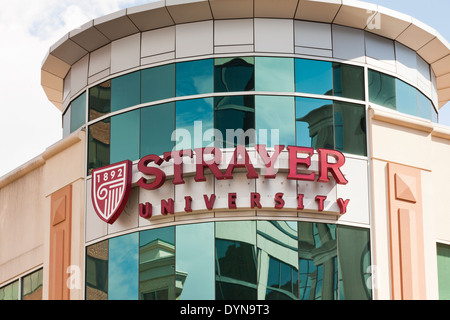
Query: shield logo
x: 111, y: 188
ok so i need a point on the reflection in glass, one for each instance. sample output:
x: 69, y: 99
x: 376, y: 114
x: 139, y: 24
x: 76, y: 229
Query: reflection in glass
x: 424, y: 106
x: 123, y: 267
x: 354, y: 259
x: 348, y: 81
x: 274, y: 120
x: 125, y: 91
x: 277, y: 260
x: 99, y: 144
x: 350, y: 128
x: 100, y: 100
x: 195, y: 77
x: 10, y: 292
x: 317, y: 249
x: 97, y: 271
x: 195, y: 261
x: 236, y: 264
x: 313, y: 76
x: 314, y: 123
x: 157, y: 125
x: 158, y: 83
x: 406, y: 98
x: 78, y: 113
x: 193, y: 118
x: 234, y: 118
x: 234, y: 74
x: 274, y: 74
x: 125, y: 132
x: 157, y: 265
x: 443, y: 265
x: 32, y: 286
x: 382, y: 89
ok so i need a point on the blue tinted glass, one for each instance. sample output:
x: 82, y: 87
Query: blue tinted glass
x: 277, y: 252
x: 314, y: 123
x: 158, y: 83
x: 193, y: 119
x: 125, y: 136
x: 157, y: 264
x: 236, y: 260
x: 313, y: 76
x: 274, y: 74
x: 382, y: 89
x: 78, y: 113
x: 274, y: 119
x: 100, y: 100
x: 354, y: 263
x: 350, y: 128
x: 234, y: 119
x: 424, y: 106
x: 195, y: 77
x: 126, y: 91
x: 348, y: 81
x: 317, y: 274
x: 406, y: 98
x: 99, y: 142
x: 123, y: 267
x: 197, y: 275
x: 157, y: 126
x: 234, y: 74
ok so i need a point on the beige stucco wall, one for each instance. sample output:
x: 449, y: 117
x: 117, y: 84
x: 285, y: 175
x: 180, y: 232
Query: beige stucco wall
x: 398, y: 138
x: 25, y: 198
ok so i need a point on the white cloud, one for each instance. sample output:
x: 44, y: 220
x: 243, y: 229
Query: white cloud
x: 29, y: 123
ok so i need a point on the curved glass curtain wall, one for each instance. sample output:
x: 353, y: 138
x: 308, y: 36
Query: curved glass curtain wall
x: 393, y: 93
x: 319, y: 122
x: 256, y: 95
x: 264, y: 260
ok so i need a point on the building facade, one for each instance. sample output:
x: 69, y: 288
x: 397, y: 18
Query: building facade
x: 234, y: 150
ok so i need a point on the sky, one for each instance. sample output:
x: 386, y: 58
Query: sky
x: 29, y: 123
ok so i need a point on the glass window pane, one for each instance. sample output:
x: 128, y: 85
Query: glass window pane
x: 123, y: 267
x: 125, y: 136
x: 78, y: 113
x: 97, y: 271
x: 66, y: 122
x: 354, y: 263
x: 236, y: 263
x: 234, y: 74
x: 382, y: 89
x: 99, y: 144
x: 100, y: 100
x: 275, y: 123
x: 10, y: 292
x: 157, y: 265
x: 348, y: 81
x: 274, y: 74
x: 158, y: 83
x: 193, y: 118
x: 195, y: 77
x: 424, y: 106
x: 277, y: 260
x: 314, y: 123
x: 406, y: 98
x: 32, y: 286
x: 157, y: 126
x: 350, y: 128
x: 443, y: 263
x: 313, y: 76
x: 234, y: 119
x: 195, y: 277
x: 318, y: 272
x: 126, y: 91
